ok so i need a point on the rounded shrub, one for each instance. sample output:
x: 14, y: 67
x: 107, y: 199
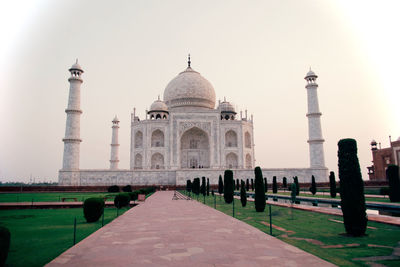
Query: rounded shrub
x: 259, y: 198
x: 127, y: 188
x: 113, y: 189
x: 4, y: 244
x: 229, y: 186
x: 133, y: 195
x: 93, y: 208
x: 122, y: 200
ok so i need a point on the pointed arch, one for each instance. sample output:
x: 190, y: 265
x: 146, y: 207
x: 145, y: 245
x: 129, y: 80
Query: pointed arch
x: 138, y: 161
x: 231, y: 160
x: 249, y: 164
x: 157, y: 161
x: 230, y: 139
x: 157, y: 138
x: 138, y: 139
x: 247, y: 140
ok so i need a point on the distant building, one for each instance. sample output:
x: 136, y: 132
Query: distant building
x: 382, y: 157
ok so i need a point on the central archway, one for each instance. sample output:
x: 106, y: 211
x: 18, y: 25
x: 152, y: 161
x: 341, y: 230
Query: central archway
x: 195, y: 149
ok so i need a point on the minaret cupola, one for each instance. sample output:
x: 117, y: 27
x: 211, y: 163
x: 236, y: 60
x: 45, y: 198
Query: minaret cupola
x: 227, y: 110
x: 158, y: 110
x: 76, y: 71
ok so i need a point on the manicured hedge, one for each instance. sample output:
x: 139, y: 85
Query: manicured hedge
x: 259, y: 198
x: 127, y: 188
x: 392, y: 174
x: 229, y: 186
x: 122, y: 200
x: 4, y: 244
x: 93, y: 208
x: 113, y: 189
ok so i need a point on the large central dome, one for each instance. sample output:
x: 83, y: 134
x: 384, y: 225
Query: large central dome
x: 189, y: 89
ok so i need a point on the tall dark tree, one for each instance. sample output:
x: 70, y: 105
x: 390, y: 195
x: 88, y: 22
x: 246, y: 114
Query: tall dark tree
x: 237, y: 184
x: 351, y: 188
x: 259, y: 198
x: 208, y: 186
x: 252, y: 184
x: 293, y: 191
x: 220, y: 185
x: 296, y: 181
x: 332, y: 184
x: 243, y: 195
x: 203, y: 186
x: 284, y: 182
x: 313, y: 187
x: 392, y: 174
x: 196, y: 186
x: 274, y: 185
x: 265, y: 184
x: 188, y: 185
x: 228, y: 186
x: 247, y: 185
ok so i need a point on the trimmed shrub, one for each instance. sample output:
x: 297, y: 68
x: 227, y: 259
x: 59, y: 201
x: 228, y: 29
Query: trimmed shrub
x: 351, y: 188
x: 212, y: 192
x: 133, y: 195
x: 228, y: 186
x: 384, y: 191
x: 296, y: 181
x: 247, y: 185
x: 252, y: 185
x: 220, y: 185
x: 284, y: 182
x: 93, y: 208
x: 208, y: 187
x: 122, y: 200
x: 113, y: 189
x: 332, y: 184
x: 189, y: 186
x: 196, y: 186
x: 265, y: 184
x: 5, y: 238
x: 237, y: 184
x: 293, y: 191
x: 259, y: 198
x: 243, y: 195
x: 313, y: 187
x: 392, y: 174
x: 127, y: 188
x: 203, y: 186
x: 274, y: 185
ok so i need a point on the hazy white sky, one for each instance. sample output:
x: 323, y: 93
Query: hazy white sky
x: 256, y: 53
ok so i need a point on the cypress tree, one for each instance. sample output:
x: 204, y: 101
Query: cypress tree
x: 296, y: 181
x: 252, y: 185
x: 351, y: 188
x: 259, y: 198
x: 208, y: 186
x: 203, y: 186
x: 274, y: 185
x: 284, y: 182
x: 293, y: 191
x: 228, y: 186
x: 220, y: 185
x: 237, y: 184
x: 392, y: 174
x: 196, y: 186
x: 243, y: 195
x: 313, y: 187
x: 188, y: 185
x: 247, y: 185
x: 332, y: 184
x: 265, y: 184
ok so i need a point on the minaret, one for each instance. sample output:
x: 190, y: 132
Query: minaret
x: 72, y: 129
x: 315, y: 140
x: 114, y: 145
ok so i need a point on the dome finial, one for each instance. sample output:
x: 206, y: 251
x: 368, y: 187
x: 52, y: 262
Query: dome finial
x: 158, y: 98
x: 189, y: 61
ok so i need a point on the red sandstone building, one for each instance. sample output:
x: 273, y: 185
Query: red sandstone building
x: 382, y: 157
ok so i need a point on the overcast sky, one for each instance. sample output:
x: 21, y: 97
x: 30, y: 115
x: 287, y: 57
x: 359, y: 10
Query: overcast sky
x: 255, y: 53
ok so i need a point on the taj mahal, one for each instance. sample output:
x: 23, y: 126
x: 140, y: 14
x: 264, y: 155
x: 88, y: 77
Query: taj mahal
x: 183, y: 136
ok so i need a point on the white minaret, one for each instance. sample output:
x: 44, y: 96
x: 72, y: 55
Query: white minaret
x: 315, y: 140
x: 114, y: 145
x: 72, y: 138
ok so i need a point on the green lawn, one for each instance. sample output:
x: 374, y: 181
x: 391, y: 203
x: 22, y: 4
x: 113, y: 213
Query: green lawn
x: 312, y: 232
x: 40, y: 235
x: 50, y: 197
x: 327, y: 195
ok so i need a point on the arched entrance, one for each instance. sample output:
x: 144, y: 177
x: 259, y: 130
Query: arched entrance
x: 195, y: 149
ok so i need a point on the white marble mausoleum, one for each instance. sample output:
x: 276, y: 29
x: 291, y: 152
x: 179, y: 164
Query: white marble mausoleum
x: 183, y: 136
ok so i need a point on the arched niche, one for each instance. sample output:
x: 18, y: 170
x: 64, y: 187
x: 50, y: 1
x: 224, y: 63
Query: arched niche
x: 138, y: 139
x: 138, y: 161
x: 195, y: 149
x: 230, y: 139
x: 248, y: 162
x: 247, y: 140
x: 157, y: 138
x: 231, y: 160
x: 157, y: 161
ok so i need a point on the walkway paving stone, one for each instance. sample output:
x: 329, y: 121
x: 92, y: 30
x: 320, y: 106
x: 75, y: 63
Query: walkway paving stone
x: 166, y: 232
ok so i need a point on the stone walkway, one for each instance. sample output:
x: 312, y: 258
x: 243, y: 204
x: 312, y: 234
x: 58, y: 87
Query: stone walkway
x: 166, y: 232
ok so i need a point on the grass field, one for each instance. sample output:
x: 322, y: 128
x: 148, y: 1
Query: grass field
x: 40, y: 235
x: 316, y: 233
x: 50, y: 197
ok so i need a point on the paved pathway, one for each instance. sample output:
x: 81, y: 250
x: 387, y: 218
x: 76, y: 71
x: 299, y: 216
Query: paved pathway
x: 166, y: 232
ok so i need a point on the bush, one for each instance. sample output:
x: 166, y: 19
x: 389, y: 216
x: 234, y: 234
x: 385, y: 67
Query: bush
x: 293, y: 191
x: 189, y: 186
x: 259, y: 198
x: 265, y: 184
x: 93, y: 208
x: 284, y: 182
x: 247, y: 185
x: 332, y: 184
x: 203, y: 186
x: 392, y: 174
x: 196, y: 186
x: 313, y: 187
x: 113, y: 189
x: 384, y: 191
x: 296, y: 181
x: 208, y: 187
x: 252, y: 185
x: 243, y: 195
x: 122, y: 200
x: 274, y: 185
x: 351, y: 188
x: 228, y: 186
x: 220, y: 185
x: 133, y: 195
x: 5, y: 238
x: 127, y: 188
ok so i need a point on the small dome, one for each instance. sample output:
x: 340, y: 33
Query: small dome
x: 115, y: 119
x: 310, y: 74
x: 189, y: 89
x: 158, y: 105
x: 226, y: 107
x: 373, y: 142
x: 76, y: 66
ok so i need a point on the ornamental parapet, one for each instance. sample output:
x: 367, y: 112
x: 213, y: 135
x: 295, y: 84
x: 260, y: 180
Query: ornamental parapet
x: 314, y: 114
x: 70, y: 110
